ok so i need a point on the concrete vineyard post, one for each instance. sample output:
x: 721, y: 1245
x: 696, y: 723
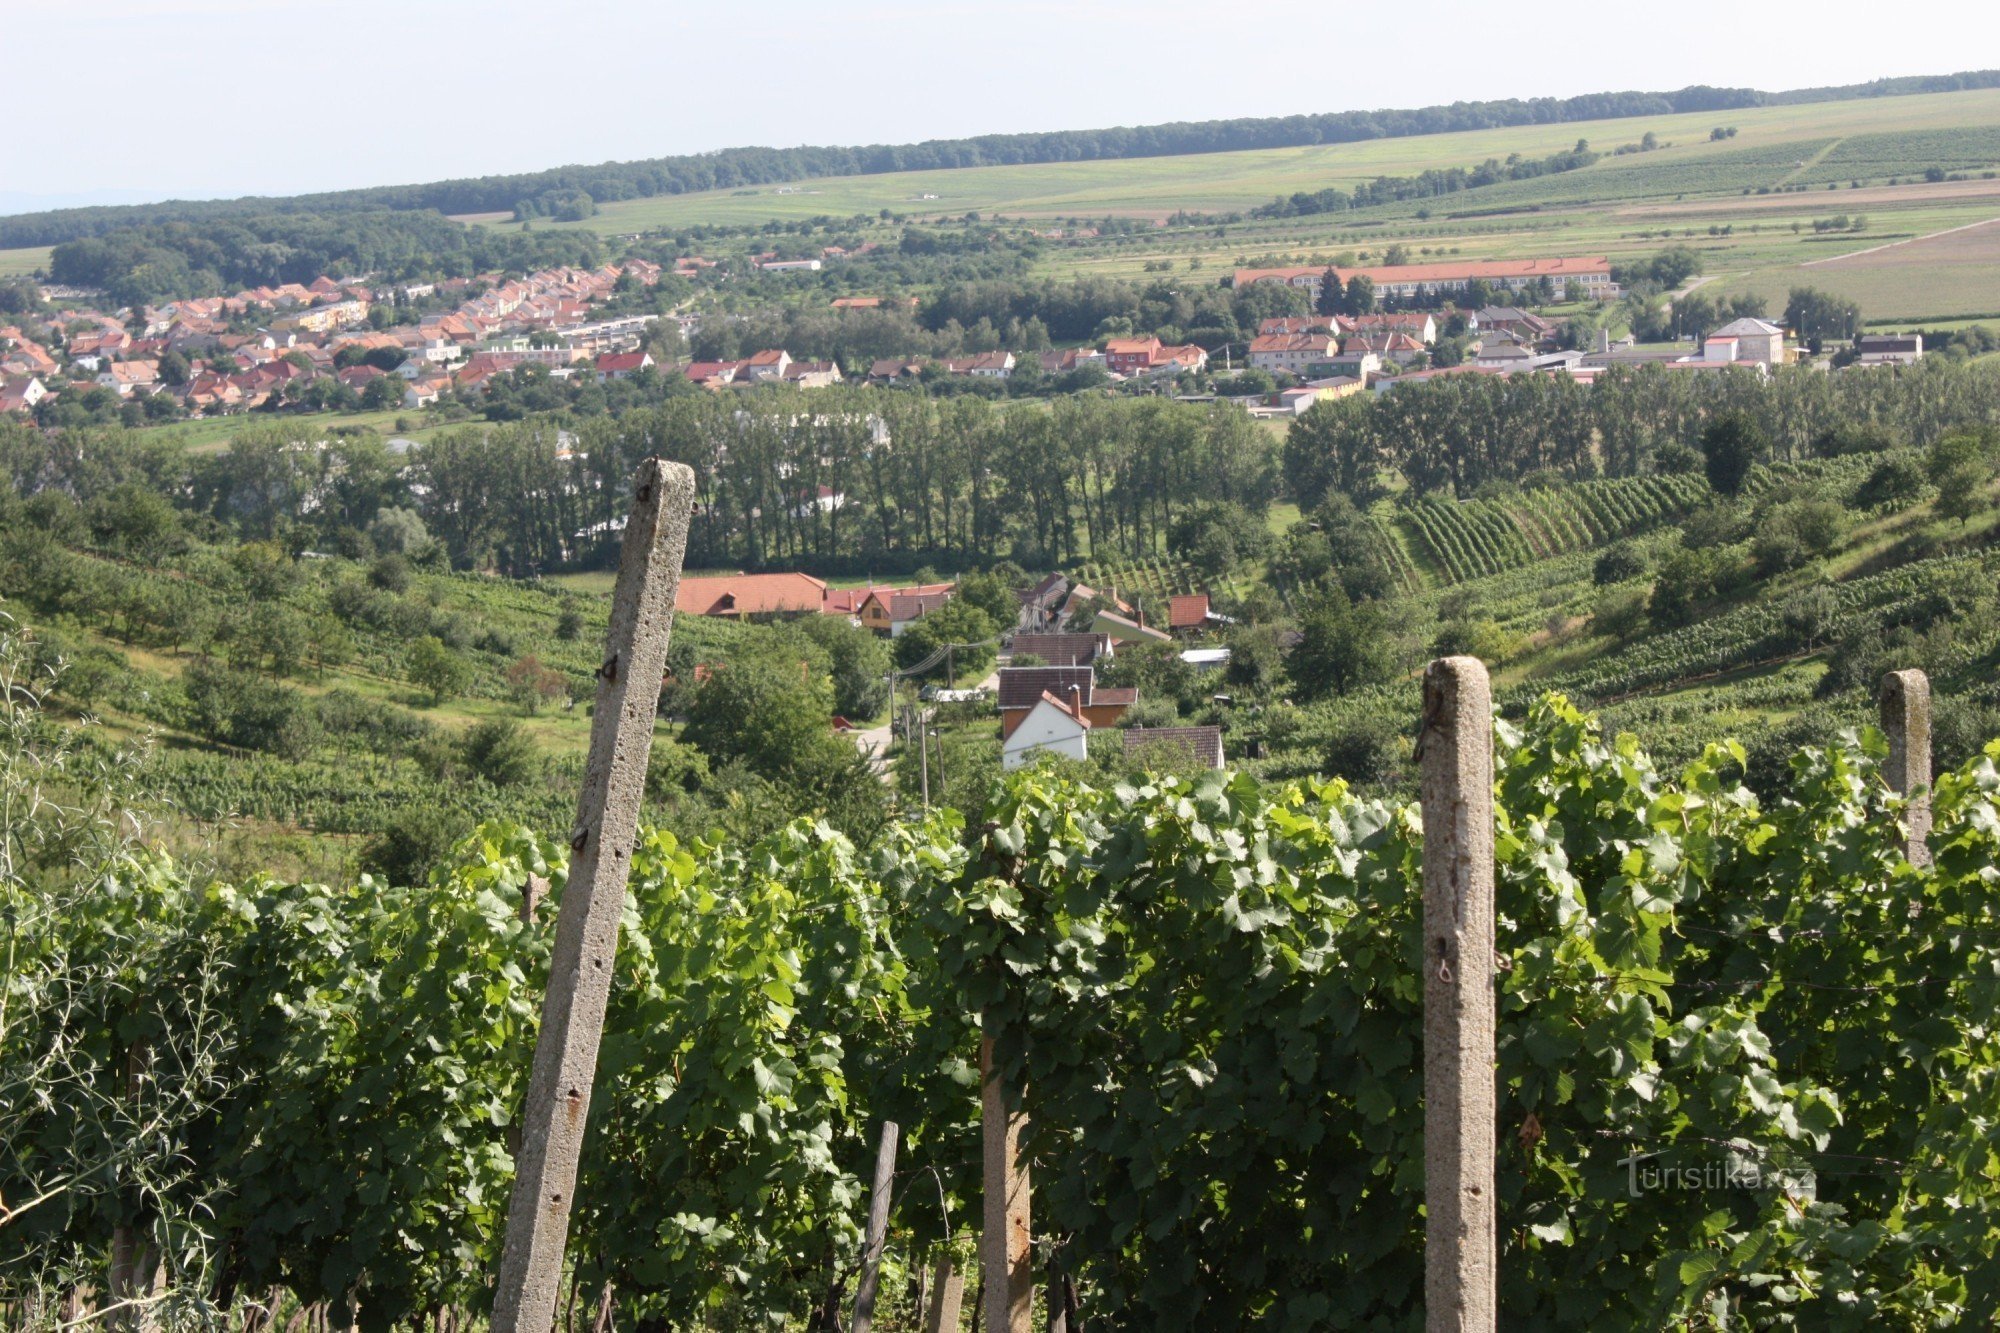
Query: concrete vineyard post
x: 1006, y: 1261
x: 1906, y: 720
x: 1460, y: 1241
x: 879, y: 1198
x: 947, y: 1298
x: 586, y: 942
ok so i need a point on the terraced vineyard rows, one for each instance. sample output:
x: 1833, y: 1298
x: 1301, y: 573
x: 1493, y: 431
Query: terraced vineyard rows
x: 1154, y: 580
x: 1752, y: 634
x: 1477, y: 538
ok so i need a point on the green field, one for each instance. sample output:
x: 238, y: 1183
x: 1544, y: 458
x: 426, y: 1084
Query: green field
x: 17, y: 263
x: 1224, y: 181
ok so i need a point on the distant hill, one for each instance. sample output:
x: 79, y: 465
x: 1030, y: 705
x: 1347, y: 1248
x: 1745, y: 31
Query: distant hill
x: 562, y: 191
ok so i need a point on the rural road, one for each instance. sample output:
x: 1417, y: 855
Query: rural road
x: 1877, y: 249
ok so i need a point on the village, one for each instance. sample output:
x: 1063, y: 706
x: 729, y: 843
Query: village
x: 347, y: 344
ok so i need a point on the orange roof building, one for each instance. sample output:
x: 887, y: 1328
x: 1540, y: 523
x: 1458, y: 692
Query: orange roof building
x: 745, y: 596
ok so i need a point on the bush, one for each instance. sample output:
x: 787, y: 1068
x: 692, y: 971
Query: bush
x: 1370, y: 749
x: 1617, y: 563
x: 413, y: 842
x: 501, y: 751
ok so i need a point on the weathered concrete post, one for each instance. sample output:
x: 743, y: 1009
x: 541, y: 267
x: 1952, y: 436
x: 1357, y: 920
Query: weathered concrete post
x: 878, y: 1228
x: 1460, y: 1244
x: 607, y: 822
x: 1906, y: 719
x: 1005, y: 1259
x: 947, y: 1297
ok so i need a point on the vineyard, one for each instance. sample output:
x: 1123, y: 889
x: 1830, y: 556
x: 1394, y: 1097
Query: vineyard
x: 1208, y: 990
x: 1466, y: 540
x: 1155, y: 580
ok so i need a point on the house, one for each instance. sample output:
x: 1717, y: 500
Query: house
x: 986, y: 365
x: 1279, y: 326
x: 789, y: 265
x: 907, y: 608
x: 750, y: 596
x: 1358, y: 364
x: 1752, y: 341
x: 1067, y: 359
x: 769, y: 364
x: 622, y: 365
x: 1889, y: 349
x: 1123, y: 630
x: 1149, y: 356
x: 425, y: 391
x: 1204, y: 743
x: 890, y: 369
x: 1416, y: 323
x: 713, y: 374
x: 1503, y: 356
x: 812, y: 374
x: 1021, y: 688
x: 1186, y: 611
x: 1082, y: 593
x: 1392, y: 346
x: 21, y: 395
x: 125, y: 377
x: 1042, y: 605
x: 892, y: 610
x: 1062, y: 649
x: 1126, y: 356
x: 820, y: 500
x: 1053, y: 725
x: 1516, y: 323
x: 358, y: 378
x: 1291, y: 353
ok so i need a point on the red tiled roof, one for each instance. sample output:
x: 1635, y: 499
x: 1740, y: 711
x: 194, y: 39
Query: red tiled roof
x: 1187, y: 610
x: 749, y: 594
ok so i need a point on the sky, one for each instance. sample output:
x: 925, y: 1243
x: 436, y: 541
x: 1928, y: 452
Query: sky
x: 154, y: 99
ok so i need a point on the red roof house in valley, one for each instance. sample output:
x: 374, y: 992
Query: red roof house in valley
x: 747, y: 596
x: 1187, y: 610
x: 622, y: 365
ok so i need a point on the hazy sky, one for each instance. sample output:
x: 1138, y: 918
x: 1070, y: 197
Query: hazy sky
x: 202, y: 98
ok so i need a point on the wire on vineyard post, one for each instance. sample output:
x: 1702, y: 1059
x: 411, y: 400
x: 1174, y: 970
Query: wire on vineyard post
x: 586, y: 942
x: 1455, y: 749
x: 1906, y: 720
x: 1006, y: 1259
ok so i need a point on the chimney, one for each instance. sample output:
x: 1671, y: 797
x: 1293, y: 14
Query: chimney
x: 1604, y: 340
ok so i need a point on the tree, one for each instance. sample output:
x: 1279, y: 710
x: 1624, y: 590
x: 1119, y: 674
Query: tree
x: 1342, y: 647
x: 860, y: 665
x: 1360, y: 294
x: 959, y: 623
x: 1816, y: 316
x: 436, y: 669
x: 501, y: 751
x: 1328, y: 302
x: 533, y: 684
x: 1730, y: 446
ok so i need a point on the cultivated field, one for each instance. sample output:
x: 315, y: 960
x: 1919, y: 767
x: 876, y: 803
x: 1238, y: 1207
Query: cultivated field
x: 1773, y: 143
x: 1952, y: 273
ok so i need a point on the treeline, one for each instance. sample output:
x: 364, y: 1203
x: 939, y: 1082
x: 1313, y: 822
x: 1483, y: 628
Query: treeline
x: 167, y: 259
x: 740, y: 167
x: 860, y: 480
x: 1428, y: 184
x: 1454, y: 434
